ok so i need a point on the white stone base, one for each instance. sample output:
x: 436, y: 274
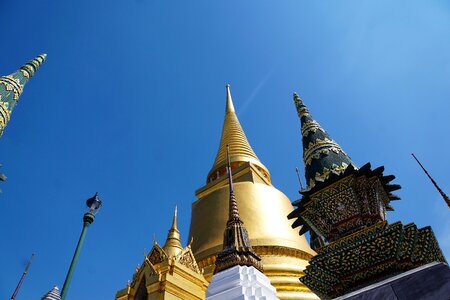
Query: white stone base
x: 240, y: 283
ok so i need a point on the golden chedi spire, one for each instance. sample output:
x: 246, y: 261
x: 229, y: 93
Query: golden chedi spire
x: 263, y: 209
x: 234, y: 136
x: 173, y: 244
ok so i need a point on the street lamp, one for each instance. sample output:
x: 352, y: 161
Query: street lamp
x: 94, y: 205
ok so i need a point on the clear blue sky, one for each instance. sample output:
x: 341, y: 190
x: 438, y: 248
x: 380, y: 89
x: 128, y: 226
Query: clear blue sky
x: 130, y: 103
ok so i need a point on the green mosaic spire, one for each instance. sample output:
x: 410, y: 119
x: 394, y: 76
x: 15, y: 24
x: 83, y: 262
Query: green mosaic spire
x: 321, y: 154
x: 11, y: 87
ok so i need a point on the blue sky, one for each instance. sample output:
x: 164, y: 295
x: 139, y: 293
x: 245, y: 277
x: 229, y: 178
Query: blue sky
x: 130, y: 103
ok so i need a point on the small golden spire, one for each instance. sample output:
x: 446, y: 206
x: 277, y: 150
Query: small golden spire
x: 173, y: 247
x: 174, y: 222
x: 233, y: 211
x: 237, y: 250
x: 234, y: 136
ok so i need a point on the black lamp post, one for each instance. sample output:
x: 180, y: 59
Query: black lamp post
x: 94, y: 205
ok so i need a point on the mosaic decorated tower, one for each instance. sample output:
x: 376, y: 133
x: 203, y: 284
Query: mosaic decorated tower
x: 167, y: 273
x: 11, y: 87
x: 263, y: 209
x: 344, y: 207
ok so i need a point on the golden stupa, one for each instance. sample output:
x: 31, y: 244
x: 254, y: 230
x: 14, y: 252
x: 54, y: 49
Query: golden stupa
x: 263, y: 209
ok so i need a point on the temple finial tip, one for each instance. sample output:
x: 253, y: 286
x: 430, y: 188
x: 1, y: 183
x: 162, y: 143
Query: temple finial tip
x: 229, y: 106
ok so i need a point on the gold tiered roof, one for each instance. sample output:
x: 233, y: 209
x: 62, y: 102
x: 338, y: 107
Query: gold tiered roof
x: 234, y: 136
x: 168, y: 272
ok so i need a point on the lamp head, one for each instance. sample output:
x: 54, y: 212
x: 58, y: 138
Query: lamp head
x: 94, y: 204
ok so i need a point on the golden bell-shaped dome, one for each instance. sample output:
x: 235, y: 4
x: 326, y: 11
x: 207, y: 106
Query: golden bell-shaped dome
x: 262, y: 207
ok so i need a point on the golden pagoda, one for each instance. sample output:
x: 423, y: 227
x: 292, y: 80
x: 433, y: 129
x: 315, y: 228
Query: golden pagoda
x: 263, y: 209
x: 167, y: 273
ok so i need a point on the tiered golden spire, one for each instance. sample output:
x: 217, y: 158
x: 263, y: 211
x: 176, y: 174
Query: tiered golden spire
x: 237, y: 250
x: 234, y: 136
x: 173, y: 247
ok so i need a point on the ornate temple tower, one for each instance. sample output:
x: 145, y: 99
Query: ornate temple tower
x: 167, y: 273
x: 345, y: 208
x: 11, y: 87
x: 238, y: 272
x: 262, y: 208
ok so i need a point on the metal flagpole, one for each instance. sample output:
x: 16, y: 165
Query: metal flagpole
x: 22, y: 278
x: 446, y: 198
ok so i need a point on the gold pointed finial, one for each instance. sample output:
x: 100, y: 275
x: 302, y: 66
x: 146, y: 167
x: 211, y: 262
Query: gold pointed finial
x: 173, y: 244
x: 230, y: 107
x: 174, y: 222
x: 234, y: 136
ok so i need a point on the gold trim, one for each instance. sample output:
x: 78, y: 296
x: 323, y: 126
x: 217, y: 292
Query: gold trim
x: 264, y: 251
x: 5, y: 112
x: 314, y: 149
x: 11, y: 84
x: 310, y: 126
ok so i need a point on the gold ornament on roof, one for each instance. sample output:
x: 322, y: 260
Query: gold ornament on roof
x: 173, y: 247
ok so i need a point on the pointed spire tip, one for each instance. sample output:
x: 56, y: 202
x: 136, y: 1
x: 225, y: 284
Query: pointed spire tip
x: 173, y: 244
x: 322, y: 156
x: 174, y: 223
x: 42, y: 56
x: 233, y: 135
x: 297, y: 97
x: 230, y: 105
